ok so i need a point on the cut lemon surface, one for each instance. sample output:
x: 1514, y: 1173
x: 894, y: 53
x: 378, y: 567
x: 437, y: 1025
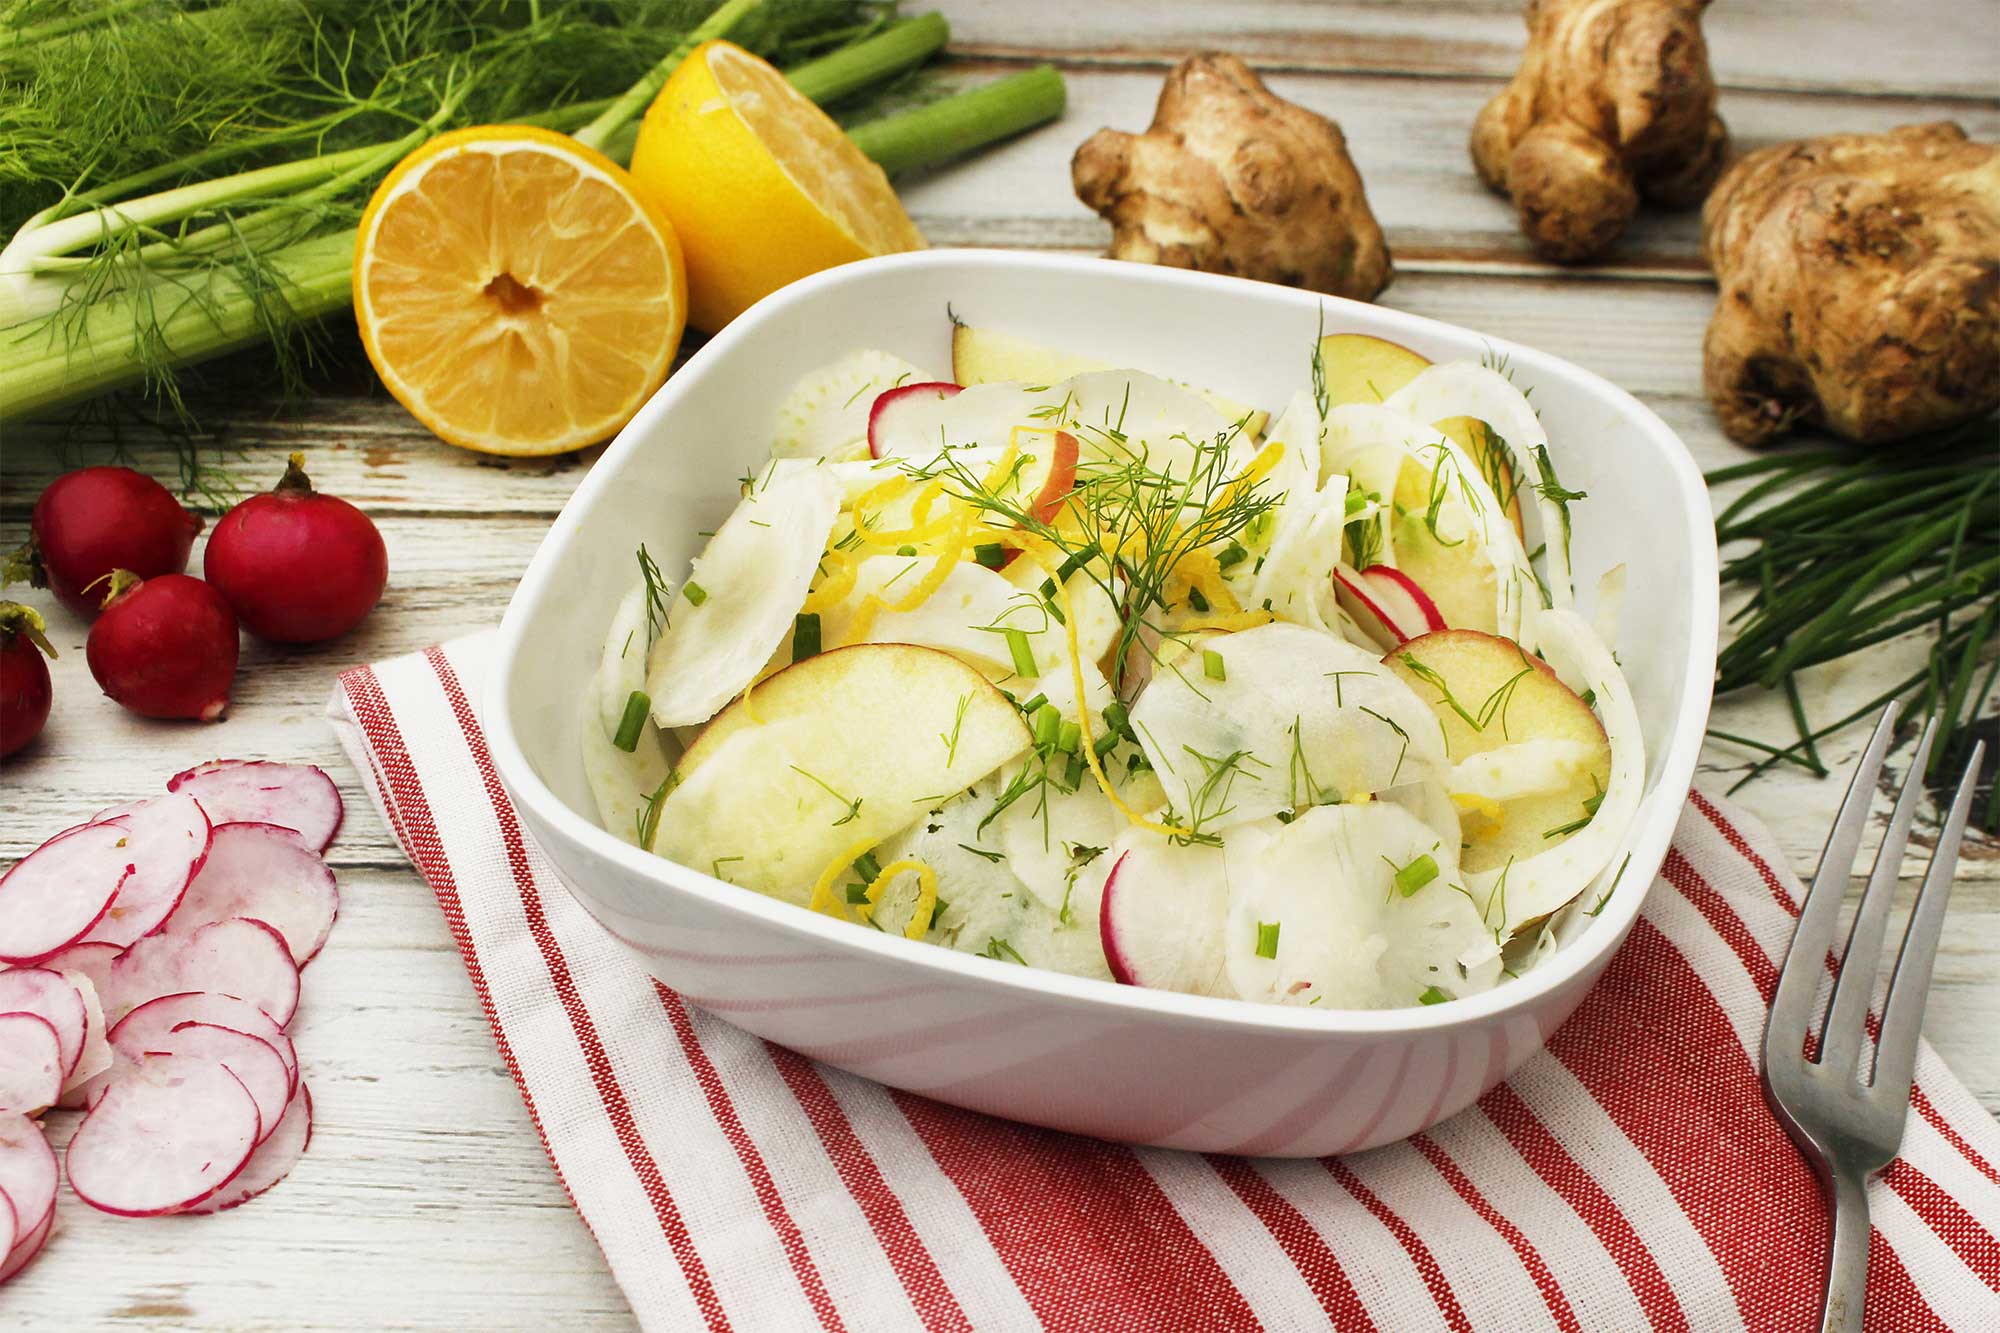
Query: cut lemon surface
x: 762, y: 187
x: 516, y: 292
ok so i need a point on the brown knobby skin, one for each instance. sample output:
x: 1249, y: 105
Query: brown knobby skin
x: 1613, y: 104
x: 1859, y: 280
x: 1233, y: 179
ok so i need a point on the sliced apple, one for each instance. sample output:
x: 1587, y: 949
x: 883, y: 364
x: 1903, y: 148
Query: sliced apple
x: 1161, y: 917
x: 737, y: 603
x: 1478, y: 440
x: 1493, y: 698
x: 988, y: 356
x: 1352, y: 907
x: 825, y: 414
x: 1389, y: 606
x: 1361, y: 368
x: 839, y: 750
x: 1443, y: 552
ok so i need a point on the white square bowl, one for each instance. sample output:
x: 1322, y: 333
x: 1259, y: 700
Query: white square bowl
x: 1114, y: 1061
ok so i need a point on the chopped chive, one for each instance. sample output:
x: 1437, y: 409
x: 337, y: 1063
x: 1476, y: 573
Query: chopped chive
x: 990, y: 554
x: 1354, y: 504
x: 634, y: 721
x: 1117, y: 718
x: 1267, y: 939
x: 857, y: 893
x: 1077, y: 560
x: 1105, y: 744
x: 1034, y: 703
x: 1048, y: 590
x: 1073, y: 773
x: 805, y: 635
x: 938, y: 911
x: 906, y: 549
x: 1231, y: 554
x: 1069, y: 737
x: 1416, y: 874
x: 1021, y: 651
x: 694, y: 592
x: 1432, y: 995
x: 1211, y: 665
x: 1055, y: 613
x: 866, y: 866
x: 1047, y: 723
x: 1197, y: 601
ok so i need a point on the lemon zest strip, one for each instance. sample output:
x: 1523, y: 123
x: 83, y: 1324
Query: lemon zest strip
x: 822, y: 899
x: 927, y: 894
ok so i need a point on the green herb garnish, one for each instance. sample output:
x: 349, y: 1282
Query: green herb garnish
x: 633, y: 722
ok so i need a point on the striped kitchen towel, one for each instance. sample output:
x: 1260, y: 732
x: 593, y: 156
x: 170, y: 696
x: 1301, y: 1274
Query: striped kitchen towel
x: 1627, y: 1177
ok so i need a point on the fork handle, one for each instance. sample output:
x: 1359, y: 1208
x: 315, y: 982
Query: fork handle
x: 1847, y: 1267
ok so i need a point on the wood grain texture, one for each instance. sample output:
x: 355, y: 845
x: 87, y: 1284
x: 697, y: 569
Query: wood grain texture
x: 426, y: 1200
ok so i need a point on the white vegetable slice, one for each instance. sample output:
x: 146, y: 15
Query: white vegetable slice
x: 150, y: 1026
x: 27, y: 1175
x: 27, y: 1247
x: 1055, y: 840
x: 254, y: 1061
x: 622, y: 780
x: 1525, y: 891
x: 31, y: 1064
x: 1320, y: 897
x: 1162, y: 915
x: 265, y: 873
x: 56, y: 893
x: 236, y: 956
x: 169, y: 1133
x: 982, y: 418
x: 95, y: 1057
x: 1534, y: 767
x: 271, y: 1162
x: 299, y: 797
x: 751, y: 581
x: 37, y: 990
x: 167, y: 839
x: 1294, y: 581
x: 825, y: 414
x: 1123, y: 416
x: 1299, y: 717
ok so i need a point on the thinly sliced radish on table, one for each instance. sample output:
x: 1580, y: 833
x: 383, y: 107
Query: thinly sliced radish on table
x: 31, y: 1064
x: 37, y: 990
x: 266, y: 873
x: 95, y: 1057
x: 56, y: 893
x: 299, y: 797
x: 27, y: 1174
x: 9, y: 1227
x: 150, y: 1027
x: 254, y: 1061
x: 169, y: 1132
x: 271, y: 1162
x: 237, y: 956
x: 27, y: 1247
x: 167, y: 839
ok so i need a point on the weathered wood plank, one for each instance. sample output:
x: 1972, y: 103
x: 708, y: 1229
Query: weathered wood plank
x: 1840, y: 47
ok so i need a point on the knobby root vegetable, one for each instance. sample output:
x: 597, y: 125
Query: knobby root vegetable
x: 1613, y: 103
x: 1233, y: 179
x: 1860, y: 285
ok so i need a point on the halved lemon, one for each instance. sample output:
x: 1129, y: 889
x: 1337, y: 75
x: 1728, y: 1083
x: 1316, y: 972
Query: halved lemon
x: 515, y: 290
x: 762, y: 187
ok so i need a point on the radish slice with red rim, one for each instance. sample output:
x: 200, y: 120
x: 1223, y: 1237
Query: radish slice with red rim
x: 263, y: 872
x: 906, y: 404
x: 37, y: 990
x: 150, y: 1027
x: 95, y: 1057
x: 56, y: 893
x: 1161, y: 916
x: 27, y: 1173
x: 253, y: 1060
x: 31, y: 1064
x: 27, y: 1247
x: 9, y: 1229
x: 168, y: 1133
x: 167, y: 840
x: 238, y: 956
x: 271, y: 1162
x: 299, y: 797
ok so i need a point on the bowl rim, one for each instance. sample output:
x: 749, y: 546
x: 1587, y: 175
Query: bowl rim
x: 1580, y: 958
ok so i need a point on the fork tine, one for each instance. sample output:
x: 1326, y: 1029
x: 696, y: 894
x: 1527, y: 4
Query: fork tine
x: 1910, y: 983
x: 1819, y: 915
x: 1854, y: 985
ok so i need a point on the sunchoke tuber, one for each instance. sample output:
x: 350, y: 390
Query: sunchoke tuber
x: 1234, y: 179
x: 1613, y: 102
x: 1860, y: 285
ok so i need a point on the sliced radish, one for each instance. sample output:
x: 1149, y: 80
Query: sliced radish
x: 31, y: 1064
x: 237, y: 956
x: 96, y: 1055
x: 37, y: 990
x: 27, y: 1174
x: 150, y: 1027
x: 168, y: 839
x: 922, y: 427
x: 263, y: 872
x: 169, y: 1132
x: 56, y: 893
x: 252, y: 1059
x: 93, y: 960
x: 1161, y: 916
x: 1388, y: 604
x: 904, y: 404
x: 824, y: 414
x: 9, y: 1231
x: 28, y: 1246
x: 271, y: 1162
x: 299, y: 797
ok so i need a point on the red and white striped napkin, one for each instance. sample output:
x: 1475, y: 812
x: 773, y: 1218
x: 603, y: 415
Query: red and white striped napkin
x: 1627, y: 1177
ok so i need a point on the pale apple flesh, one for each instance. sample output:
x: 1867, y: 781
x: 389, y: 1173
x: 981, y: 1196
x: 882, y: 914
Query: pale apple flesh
x: 1530, y: 759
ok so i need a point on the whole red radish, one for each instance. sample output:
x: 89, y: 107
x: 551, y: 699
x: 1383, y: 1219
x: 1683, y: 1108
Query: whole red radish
x: 297, y: 566
x: 90, y: 522
x: 24, y: 676
x: 164, y: 647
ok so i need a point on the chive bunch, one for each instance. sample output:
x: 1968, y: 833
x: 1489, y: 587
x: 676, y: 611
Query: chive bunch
x: 1842, y: 549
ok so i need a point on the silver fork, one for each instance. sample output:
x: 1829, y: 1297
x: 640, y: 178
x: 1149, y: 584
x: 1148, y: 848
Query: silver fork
x: 1846, y: 1118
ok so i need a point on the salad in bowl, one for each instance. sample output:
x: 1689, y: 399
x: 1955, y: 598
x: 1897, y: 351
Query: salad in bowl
x: 1079, y: 668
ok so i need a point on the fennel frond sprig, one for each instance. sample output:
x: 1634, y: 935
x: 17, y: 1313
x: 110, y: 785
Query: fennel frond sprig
x: 1839, y: 550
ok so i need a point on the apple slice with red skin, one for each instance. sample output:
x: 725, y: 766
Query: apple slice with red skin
x: 1389, y: 606
x: 891, y: 402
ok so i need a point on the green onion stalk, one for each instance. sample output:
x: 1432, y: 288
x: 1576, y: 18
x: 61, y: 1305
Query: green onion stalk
x: 116, y: 285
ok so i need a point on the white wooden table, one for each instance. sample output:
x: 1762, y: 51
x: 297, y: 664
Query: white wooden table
x: 426, y: 1200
